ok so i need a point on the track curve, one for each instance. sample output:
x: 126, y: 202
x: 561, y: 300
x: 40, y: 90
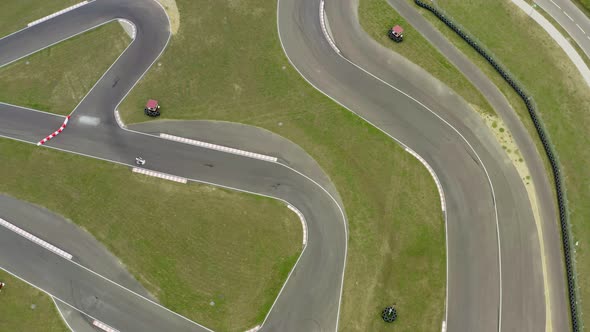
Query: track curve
x: 310, y: 299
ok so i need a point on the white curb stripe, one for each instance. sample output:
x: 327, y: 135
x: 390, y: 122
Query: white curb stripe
x: 35, y: 239
x: 133, y: 29
x: 103, y: 326
x: 303, y: 223
x: 119, y: 120
x: 218, y: 147
x: 438, y: 185
x: 159, y: 175
x: 57, y: 13
x: 324, y: 29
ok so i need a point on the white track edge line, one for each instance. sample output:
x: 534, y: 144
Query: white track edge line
x: 199, y: 181
x: 61, y: 313
x: 403, y: 145
x: 53, y: 44
x: 341, y: 210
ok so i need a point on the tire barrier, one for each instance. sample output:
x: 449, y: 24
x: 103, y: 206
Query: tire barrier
x: 548, y: 147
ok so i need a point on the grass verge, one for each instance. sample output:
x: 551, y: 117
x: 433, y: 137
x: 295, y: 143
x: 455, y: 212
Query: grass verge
x: 584, y: 5
x: 25, y: 308
x: 57, y: 78
x: 376, y: 16
x: 16, y: 15
x: 396, y: 247
x: 189, y: 245
x: 560, y: 92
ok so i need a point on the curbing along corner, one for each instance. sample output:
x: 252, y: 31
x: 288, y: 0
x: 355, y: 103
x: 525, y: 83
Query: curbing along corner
x: 561, y: 197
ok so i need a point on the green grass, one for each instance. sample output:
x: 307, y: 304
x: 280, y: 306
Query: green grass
x: 14, y: 15
x: 24, y: 308
x: 396, y: 250
x: 376, y: 16
x: 560, y: 92
x: 584, y: 5
x: 188, y: 244
x: 57, y: 78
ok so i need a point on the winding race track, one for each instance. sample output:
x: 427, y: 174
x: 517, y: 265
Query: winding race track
x: 495, y: 280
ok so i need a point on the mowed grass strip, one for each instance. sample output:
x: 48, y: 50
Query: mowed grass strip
x: 57, y: 78
x: 377, y: 16
x: 25, y: 308
x: 218, y: 257
x: 15, y: 15
x: 562, y: 98
x: 226, y: 63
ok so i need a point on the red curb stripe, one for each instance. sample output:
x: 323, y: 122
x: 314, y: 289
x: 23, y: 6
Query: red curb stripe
x: 63, y: 126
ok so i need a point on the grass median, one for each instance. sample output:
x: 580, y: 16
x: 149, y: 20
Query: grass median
x: 25, y: 308
x: 558, y: 89
x: 376, y: 16
x: 216, y: 256
x: 396, y: 251
x: 57, y: 78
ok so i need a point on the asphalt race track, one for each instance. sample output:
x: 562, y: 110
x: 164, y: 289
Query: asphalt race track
x: 495, y: 279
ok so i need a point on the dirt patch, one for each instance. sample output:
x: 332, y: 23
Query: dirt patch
x: 172, y: 11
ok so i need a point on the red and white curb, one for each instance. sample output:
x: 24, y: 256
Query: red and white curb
x: 35, y: 239
x: 159, y: 175
x: 43, y: 19
x: 63, y: 126
x: 303, y: 223
x: 254, y: 329
x: 103, y: 326
x: 438, y: 185
x: 325, y: 29
x: 219, y: 147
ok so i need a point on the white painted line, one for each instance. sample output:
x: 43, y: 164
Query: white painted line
x: 579, y: 27
x: 48, y: 17
x: 556, y: 5
x: 431, y: 171
x: 62, y: 314
x: 218, y: 147
x: 444, y: 326
x: 325, y: 30
x: 103, y: 326
x: 303, y: 223
x: 119, y: 120
x: 35, y: 239
x: 159, y: 175
x: 568, y: 16
x: 254, y: 329
x: 89, y: 120
x: 560, y: 39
